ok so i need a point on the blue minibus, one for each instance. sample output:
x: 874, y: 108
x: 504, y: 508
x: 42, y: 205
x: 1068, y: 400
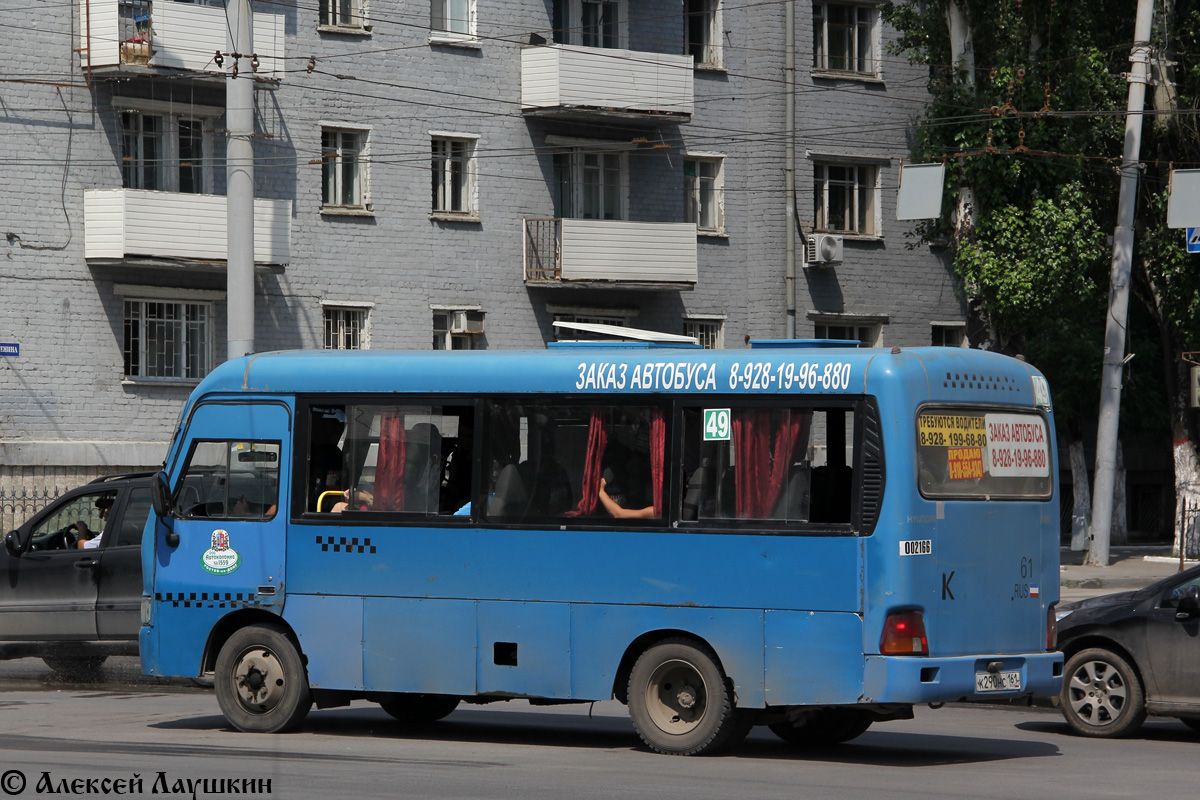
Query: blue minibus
x: 806, y: 535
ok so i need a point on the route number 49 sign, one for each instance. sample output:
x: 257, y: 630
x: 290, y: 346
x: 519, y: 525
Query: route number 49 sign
x: 717, y: 427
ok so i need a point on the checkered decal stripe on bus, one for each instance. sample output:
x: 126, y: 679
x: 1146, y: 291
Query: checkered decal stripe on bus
x: 210, y: 599
x: 342, y: 544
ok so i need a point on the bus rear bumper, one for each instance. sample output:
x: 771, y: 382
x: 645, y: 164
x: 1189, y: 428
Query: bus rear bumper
x: 920, y: 679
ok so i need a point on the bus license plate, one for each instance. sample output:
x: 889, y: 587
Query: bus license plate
x: 997, y: 681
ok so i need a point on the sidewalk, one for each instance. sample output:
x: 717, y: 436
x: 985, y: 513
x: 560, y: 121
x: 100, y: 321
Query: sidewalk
x: 1128, y: 568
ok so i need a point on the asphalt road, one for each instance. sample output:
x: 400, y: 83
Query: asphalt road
x: 123, y: 725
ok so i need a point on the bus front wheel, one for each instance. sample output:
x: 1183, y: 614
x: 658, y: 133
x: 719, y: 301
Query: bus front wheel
x: 261, y: 684
x: 680, y: 701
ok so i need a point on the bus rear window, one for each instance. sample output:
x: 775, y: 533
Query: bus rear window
x: 983, y: 454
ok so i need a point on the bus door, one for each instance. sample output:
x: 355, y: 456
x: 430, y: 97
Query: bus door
x: 231, y: 535
x: 996, y: 541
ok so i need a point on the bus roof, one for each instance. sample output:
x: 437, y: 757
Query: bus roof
x: 945, y: 374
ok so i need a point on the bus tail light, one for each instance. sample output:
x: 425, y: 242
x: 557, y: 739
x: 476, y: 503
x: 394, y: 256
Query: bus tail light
x: 1051, y: 628
x: 904, y: 634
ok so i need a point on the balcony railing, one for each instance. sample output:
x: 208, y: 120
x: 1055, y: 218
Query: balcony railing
x: 569, y: 80
x: 165, y: 33
x: 135, y: 223
x: 611, y: 252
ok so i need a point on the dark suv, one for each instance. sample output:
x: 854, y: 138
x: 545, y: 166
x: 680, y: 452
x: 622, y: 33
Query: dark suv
x: 72, y: 577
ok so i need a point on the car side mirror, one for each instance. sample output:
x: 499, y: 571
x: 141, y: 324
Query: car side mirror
x: 12, y: 543
x: 1189, y: 604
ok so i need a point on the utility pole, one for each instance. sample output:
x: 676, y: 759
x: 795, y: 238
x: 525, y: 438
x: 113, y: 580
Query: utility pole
x: 1118, y: 297
x: 789, y: 164
x: 239, y: 170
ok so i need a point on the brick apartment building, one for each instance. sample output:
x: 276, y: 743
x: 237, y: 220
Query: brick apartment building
x: 435, y: 173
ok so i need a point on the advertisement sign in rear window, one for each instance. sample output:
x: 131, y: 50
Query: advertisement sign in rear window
x: 976, y: 453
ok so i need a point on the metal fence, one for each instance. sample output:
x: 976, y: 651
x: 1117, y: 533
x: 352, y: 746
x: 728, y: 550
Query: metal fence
x: 19, y: 503
x: 1189, y: 517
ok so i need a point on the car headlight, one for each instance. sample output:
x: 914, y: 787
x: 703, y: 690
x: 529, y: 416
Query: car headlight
x: 1062, y: 613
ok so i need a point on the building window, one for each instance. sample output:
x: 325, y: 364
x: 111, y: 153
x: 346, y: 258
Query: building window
x: 453, y: 16
x: 709, y: 333
x: 948, y: 334
x: 866, y: 333
x: 343, y: 178
x: 844, y: 38
x: 590, y: 185
x: 702, y: 31
x: 844, y: 198
x: 164, y: 152
x: 346, y: 328
x: 167, y: 339
x: 589, y: 23
x: 704, y: 193
x: 343, y: 14
x: 457, y: 329
x: 453, y: 176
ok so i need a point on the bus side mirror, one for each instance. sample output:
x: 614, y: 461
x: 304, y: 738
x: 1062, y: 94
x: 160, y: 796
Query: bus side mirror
x: 12, y: 543
x: 1189, y: 604
x: 160, y: 498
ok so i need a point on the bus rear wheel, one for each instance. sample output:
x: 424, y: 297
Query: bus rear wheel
x: 680, y: 701
x: 261, y: 684
x: 824, y: 727
x: 419, y: 709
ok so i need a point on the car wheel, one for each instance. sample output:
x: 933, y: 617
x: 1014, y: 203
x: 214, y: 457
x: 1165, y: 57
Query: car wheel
x: 1191, y: 722
x: 1102, y: 695
x: 419, y: 709
x: 75, y: 667
x: 260, y: 680
x: 679, y: 701
x: 826, y: 726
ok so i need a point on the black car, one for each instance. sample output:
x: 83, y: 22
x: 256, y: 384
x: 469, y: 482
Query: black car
x: 72, y: 577
x: 1131, y: 654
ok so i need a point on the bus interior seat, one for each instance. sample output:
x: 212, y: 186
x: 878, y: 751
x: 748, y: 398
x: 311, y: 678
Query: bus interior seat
x: 794, y: 502
x: 694, y: 497
x: 509, y: 498
x: 831, y: 493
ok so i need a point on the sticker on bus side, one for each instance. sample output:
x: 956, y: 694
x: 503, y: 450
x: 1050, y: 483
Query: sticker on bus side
x: 917, y: 547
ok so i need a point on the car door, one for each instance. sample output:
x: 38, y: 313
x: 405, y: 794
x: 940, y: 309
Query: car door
x: 119, y: 575
x: 1173, y: 649
x: 48, y: 592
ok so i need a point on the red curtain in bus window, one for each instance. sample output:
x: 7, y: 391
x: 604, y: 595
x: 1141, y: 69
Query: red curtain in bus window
x: 389, y: 472
x: 593, y: 466
x: 764, y: 442
x: 658, y: 439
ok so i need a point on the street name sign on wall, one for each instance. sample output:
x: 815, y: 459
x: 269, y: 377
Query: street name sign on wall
x: 1193, y: 240
x: 10, y: 349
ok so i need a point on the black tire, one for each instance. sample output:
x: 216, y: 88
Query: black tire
x: 419, y: 709
x: 825, y: 726
x: 1191, y: 722
x: 1101, y: 695
x: 260, y: 680
x: 680, y: 700
x: 82, y: 668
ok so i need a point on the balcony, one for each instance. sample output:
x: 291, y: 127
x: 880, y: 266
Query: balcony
x: 587, y: 83
x: 134, y: 223
x: 164, y: 33
x: 610, y: 253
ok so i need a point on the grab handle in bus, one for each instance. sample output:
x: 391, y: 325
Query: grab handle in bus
x: 339, y: 493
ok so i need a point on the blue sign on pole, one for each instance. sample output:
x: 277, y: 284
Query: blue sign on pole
x: 10, y: 349
x: 1193, y: 240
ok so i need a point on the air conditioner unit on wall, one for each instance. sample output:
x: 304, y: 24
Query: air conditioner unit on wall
x: 823, y: 249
